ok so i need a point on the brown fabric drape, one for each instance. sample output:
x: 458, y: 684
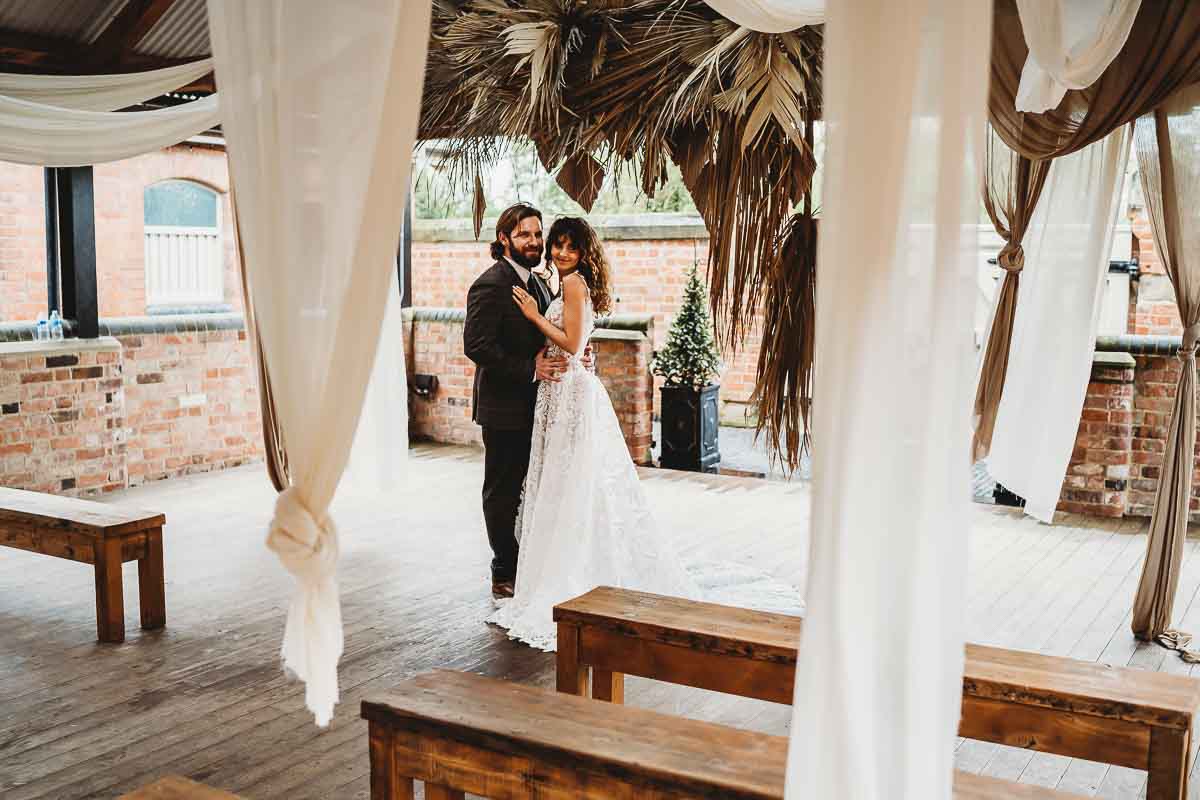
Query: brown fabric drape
x: 1160, y: 56
x: 273, y: 445
x: 1012, y: 186
x: 1168, y: 150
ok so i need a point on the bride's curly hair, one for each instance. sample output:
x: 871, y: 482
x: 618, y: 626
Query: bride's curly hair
x: 593, y: 265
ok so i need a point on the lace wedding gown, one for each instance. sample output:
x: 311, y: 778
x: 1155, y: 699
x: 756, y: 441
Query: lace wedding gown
x: 584, y: 519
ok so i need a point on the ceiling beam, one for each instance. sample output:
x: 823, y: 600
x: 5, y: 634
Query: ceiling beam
x: 126, y: 29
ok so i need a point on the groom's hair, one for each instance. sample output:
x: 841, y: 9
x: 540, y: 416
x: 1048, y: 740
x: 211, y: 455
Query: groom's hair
x: 508, y: 222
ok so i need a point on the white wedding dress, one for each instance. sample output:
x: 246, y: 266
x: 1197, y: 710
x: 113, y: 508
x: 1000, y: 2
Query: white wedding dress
x: 584, y: 519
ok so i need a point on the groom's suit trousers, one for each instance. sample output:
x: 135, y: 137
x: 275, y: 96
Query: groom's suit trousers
x: 505, y: 462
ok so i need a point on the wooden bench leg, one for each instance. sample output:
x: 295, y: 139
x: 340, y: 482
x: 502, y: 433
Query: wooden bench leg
x: 571, y: 677
x: 386, y: 781
x: 435, y: 792
x: 608, y: 686
x: 152, y: 591
x: 1168, y: 765
x: 110, y: 604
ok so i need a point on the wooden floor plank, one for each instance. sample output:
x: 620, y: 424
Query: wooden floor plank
x: 206, y: 698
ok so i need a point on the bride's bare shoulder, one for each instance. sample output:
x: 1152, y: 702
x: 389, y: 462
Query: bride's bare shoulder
x: 575, y: 284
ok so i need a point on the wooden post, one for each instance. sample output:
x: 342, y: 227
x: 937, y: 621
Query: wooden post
x: 110, y: 605
x: 1168, y: 764
x: 386, y: 781
x: 152, y: 591
x: 609, y: 686
x: 571, y: 677
x: 77, y: 249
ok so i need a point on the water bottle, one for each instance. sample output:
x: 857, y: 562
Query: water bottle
x: 56, y: 328
x: 42, y: 331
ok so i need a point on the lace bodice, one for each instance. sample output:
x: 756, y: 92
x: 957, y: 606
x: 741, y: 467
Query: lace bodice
x: 554, y: 313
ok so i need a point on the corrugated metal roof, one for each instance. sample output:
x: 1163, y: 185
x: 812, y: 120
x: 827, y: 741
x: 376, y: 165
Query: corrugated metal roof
x: 77, y: 20
x: 181, y: 33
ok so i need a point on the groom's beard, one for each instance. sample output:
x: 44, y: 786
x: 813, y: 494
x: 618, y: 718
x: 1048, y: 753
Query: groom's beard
x: 529, y: 259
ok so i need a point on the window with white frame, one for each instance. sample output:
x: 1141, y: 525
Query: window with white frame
x: 184, y: 263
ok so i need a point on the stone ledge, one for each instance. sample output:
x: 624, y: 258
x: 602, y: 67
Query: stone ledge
x: 628, y: 227
x: 124, y: 326
x: 1111, y: 359
x: 640, y: 324
x: 23, y: 348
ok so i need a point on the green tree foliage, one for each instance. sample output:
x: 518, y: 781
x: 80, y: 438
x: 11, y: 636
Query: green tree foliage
x: 690, y: 357
x: 520, y: 177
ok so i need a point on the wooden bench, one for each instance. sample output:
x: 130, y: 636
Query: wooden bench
x: 1132, y: 718
x: 176, y: 787
x: 93, y: 533
x: 459, y: 732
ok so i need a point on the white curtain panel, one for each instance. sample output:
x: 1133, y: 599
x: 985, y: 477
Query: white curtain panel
x: 771, y: 16
x: 1067, y: 249
x: 879, y: 677
x: 380, y: 451
x: 35, y: 133
x: 320, y: 104
x: 101, y: 92
x: 1071, y: 42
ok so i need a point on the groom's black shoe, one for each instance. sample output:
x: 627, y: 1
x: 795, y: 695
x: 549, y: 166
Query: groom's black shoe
x: 502, y: 589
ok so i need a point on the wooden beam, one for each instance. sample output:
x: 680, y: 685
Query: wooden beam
x: 125, y: 31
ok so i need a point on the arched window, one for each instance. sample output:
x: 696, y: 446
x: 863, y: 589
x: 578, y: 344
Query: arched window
x: 184, y: 255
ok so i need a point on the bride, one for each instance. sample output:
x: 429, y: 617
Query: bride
x: 584, y: 520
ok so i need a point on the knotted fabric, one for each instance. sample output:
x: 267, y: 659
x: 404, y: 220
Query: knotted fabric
x: 1168, y: 143
x: 1012, y: 186
x: 312, y: 641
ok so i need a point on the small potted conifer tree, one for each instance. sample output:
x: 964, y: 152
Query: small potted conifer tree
x: 690, y: 364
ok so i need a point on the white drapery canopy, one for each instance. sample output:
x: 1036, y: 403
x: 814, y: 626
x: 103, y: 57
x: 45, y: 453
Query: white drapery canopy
x: 1071, y: 42
x: 70, y: 120
x: 771, y: 16
x: 883, y: 638
x: 101, y: 92
x: 1067, y: 246
x: 320, y: 106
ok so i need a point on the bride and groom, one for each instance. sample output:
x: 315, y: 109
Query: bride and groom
x: 563, y: 506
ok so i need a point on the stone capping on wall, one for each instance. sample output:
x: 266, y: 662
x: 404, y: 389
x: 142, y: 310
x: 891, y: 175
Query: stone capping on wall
x: 31, y: 348
x: 1139, y: 345
x: 132, y: 326
x: 617, y: 326
x: 613, y: 227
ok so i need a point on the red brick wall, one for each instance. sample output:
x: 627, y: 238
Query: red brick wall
x: 649, y: 276
x: 22, y: 242
x: 622, y: 358
x: 164, y: 375
x: 1154, y: 312
x: 1097, y: 477
x: 61, y: 426
x: 83, y: 418
x: 120, y: 262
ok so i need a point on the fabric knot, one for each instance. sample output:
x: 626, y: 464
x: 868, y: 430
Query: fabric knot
x: 308, y: 547
x: 1191, y: 337
x: 1012, y: 257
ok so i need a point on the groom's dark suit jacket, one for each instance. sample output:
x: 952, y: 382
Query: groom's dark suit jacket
x: 503, y: 344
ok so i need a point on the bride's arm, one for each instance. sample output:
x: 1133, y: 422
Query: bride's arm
x: 575, y: 294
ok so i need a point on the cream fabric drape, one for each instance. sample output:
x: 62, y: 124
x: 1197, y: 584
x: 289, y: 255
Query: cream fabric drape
x: 1168, y: 150
x: 1071, y: 43
x: 879, y: 676
x: 34, y: 133
x: 1067, y: 247
x: 101, y: 92
x: 320, y: 105
x: 771, y: 16
x: 1011, y: 189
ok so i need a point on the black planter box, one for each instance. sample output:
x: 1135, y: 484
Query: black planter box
x: 690, y: 421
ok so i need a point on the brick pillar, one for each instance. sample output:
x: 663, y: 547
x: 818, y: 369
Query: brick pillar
x: 1098, y: 477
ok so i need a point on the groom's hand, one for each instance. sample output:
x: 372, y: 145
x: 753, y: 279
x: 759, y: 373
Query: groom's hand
x: 547, y: 368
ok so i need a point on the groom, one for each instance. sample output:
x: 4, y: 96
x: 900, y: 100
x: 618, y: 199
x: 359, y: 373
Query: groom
x: 509, y: 355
